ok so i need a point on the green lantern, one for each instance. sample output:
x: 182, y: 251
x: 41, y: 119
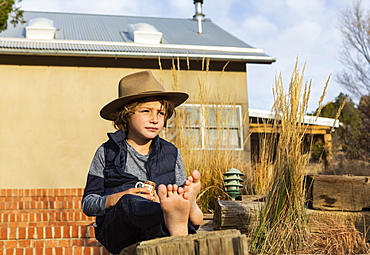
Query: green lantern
x: 232, y: 182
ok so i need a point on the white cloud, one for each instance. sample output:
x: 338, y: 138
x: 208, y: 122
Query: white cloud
x: 258, y: 27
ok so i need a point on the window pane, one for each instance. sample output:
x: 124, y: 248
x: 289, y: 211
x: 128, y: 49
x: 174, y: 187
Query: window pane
x: 194, y: 137
x: 224, y: 138
x: 222, y: 116
x: 231, y: 117
x: 211, y: 126
x: 210, y: 115
x: 190, y: 114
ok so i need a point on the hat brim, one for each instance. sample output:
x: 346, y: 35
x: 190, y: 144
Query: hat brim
x: 176, y: 98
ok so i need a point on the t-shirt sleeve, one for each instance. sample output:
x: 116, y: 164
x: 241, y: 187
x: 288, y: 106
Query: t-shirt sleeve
x: 93, y: 201
x: 180, y: 170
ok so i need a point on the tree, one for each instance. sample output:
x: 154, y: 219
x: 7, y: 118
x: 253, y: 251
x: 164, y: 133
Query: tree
x: 355, y: 55
x: 354, y: 135
x: 350, y: 120
x: 357, y: 139
x: 9, y: 9
x: 349, y: 115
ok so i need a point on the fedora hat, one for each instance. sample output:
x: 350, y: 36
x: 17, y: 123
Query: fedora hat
x: 140, y: 85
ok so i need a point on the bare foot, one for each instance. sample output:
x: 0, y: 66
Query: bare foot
x: 175, y: 209
x: 191, y: 190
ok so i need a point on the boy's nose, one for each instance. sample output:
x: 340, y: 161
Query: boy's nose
x: 154, y: 118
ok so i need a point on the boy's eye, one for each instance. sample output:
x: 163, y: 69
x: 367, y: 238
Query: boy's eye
x: 162, y: 113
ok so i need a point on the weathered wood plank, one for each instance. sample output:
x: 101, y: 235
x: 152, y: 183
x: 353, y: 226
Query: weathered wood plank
x: 253, y: 198
x: 240, y: 215
x: 339, y: 193
x: 224, y: 242
x: 270, y: 128
x: 227, y: 217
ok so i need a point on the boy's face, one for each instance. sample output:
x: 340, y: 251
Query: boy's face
x: 146, y: 122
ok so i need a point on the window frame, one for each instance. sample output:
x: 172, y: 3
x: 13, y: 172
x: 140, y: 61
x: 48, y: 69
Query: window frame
x: 203, y: 125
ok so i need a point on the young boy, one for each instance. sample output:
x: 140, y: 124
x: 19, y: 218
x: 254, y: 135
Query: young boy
x: 125, y: 214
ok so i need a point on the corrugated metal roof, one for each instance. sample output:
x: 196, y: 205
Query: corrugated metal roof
x: 93, y: 34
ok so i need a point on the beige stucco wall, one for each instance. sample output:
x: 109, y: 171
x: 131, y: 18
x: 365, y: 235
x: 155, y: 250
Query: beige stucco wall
x: 50, y: 125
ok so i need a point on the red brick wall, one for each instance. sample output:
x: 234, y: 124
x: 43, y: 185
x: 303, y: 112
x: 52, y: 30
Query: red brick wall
x: 45, y: 221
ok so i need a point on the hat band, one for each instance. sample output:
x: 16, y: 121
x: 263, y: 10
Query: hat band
x: 143, y: 93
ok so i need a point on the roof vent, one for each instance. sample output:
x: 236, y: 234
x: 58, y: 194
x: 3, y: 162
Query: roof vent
x: 40, y: 28
x: 144, y: 33
x: 199, y: 16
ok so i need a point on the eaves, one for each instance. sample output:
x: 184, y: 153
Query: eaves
x: 131, y: 50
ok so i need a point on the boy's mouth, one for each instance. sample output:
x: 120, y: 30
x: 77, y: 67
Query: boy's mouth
x: 151, y: 128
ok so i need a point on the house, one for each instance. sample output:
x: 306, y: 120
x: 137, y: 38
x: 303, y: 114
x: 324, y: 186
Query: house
x: 262, y: 123
x: 59, y: 69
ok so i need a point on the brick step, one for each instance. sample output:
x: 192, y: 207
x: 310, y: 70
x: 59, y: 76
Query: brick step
x: 47, y: 232
x: 45, y: 224
x: 41, y: 215
x: 69, y: 192
x: 78, y: 250
x: 45, y: 243
x: 29, y: 199
x: 27, y: 205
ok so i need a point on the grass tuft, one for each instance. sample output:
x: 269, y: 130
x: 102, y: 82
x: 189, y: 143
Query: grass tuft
x: 282, y: 226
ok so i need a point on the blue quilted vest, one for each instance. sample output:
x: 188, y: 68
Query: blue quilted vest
x: 160, y: 165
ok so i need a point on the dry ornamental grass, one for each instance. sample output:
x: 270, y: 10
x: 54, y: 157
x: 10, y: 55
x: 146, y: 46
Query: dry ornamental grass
x: 283, y: 225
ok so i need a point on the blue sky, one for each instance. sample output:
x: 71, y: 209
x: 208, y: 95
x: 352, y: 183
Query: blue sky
x: 284, y: 29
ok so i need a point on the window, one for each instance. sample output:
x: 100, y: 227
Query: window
x: 211, y: 126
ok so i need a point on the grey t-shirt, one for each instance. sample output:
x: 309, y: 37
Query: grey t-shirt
x: 135, y: 165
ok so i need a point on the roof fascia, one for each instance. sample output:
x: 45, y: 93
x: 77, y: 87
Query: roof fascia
x: 223, y: 56
x: 312, y: 120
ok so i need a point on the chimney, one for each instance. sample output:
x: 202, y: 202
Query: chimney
x: 199, y: 14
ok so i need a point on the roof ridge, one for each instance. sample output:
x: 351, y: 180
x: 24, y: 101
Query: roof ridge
x: 112, y: 15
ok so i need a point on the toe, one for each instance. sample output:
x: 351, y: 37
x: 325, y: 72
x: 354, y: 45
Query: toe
x: 180, y: 190
x: 190, y: 179
x: 186, y: 188
x: 187, y: 182
x: 196, y: 176
x: 162, y: 192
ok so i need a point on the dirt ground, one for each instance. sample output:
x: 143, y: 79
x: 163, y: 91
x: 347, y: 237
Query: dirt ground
x: 341, y: 167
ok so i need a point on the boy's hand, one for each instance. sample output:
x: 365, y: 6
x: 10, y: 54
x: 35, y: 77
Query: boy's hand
x: 142, y: 192
x: 145, y: 193
x: 156, y: 197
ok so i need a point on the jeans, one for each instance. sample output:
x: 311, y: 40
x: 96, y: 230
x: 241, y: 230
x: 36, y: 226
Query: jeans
x: 132, y: 219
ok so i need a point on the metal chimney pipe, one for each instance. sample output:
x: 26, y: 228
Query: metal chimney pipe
x: 199, y: 14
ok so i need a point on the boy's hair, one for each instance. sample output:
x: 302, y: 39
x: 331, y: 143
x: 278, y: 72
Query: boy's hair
x: 122, y: 117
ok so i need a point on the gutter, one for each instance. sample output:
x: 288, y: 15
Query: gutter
x: 31, y: 47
